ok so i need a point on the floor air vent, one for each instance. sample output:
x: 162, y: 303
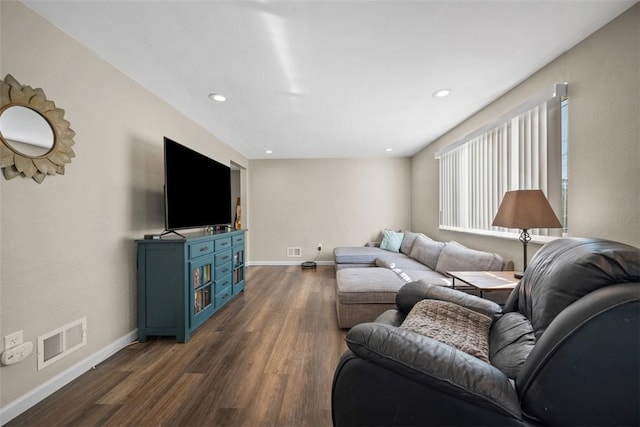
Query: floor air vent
x: 56, y: 344
x: 294, y: 252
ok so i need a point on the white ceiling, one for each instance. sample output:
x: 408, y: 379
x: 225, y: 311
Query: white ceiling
x: 313, y: 79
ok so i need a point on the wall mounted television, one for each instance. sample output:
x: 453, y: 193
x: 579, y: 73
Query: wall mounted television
x: 197, y: 189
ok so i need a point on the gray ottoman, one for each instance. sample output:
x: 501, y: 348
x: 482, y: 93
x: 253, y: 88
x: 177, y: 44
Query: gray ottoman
x: 363, y: 294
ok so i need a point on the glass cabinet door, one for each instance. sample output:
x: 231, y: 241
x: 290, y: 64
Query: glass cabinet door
x: 238, y: 269
x: 238, y: 257
x: 201, y: 283
x: 238, y: 275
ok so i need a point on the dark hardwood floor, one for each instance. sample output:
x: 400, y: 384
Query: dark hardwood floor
x: 265, y: 359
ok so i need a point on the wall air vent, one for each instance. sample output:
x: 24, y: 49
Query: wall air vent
x: 58, y: 343
x: 294, y: 252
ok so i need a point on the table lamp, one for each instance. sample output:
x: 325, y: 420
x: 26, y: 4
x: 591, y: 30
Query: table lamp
x: 525, y: 209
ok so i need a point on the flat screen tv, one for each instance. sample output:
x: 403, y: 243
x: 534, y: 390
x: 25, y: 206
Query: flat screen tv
x: 197, y: 189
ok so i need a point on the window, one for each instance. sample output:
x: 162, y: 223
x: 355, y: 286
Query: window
x: 564, y: 115
x: 524, y: 149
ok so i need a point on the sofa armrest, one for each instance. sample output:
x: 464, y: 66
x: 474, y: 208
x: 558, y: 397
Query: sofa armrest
x: 391, y: 317
x: 435, y: 365
x: 508, y: 266
x: 595, y: 343
x: 411, y: 293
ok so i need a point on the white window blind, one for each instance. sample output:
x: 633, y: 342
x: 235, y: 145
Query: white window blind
x: 520, y: 150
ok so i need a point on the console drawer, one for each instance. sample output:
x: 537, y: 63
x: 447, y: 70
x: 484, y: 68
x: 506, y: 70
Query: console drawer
x: 222, y: 297
x: 222, y: 283
x: 223, y: 243
x: 223, y: 257
x: 199, y: 249
x: 223, y: 270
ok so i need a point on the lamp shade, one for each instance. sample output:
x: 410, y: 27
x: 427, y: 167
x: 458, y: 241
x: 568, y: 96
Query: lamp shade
x: 525, y: 209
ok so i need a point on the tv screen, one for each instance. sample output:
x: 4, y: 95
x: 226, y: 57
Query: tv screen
x: 197, y: 189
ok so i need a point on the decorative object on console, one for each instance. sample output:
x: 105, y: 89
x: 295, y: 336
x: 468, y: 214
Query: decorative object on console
x: 525, y: 209
x: 35, y: 139
x: 238, y: 221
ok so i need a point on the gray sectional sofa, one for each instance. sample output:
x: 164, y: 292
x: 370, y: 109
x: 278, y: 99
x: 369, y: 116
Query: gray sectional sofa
x: 368, y: 277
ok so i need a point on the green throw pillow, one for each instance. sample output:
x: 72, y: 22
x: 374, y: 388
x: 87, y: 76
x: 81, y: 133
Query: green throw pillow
x: 391, y: 240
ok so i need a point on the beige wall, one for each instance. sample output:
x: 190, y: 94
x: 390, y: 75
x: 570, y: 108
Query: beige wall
x: 603, y: 73
x: 67, y: 246
x: 336, y: 202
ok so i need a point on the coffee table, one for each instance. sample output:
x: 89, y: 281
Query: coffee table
x: 485, y: 280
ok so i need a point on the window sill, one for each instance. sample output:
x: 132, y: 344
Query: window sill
x: 509, y: 235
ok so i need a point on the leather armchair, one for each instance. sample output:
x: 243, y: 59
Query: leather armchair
x: 564, y: 350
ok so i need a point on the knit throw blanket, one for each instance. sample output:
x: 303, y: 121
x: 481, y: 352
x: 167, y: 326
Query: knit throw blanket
x: 452, y: 324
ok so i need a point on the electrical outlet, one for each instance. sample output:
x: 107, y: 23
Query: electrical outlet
x: 319, y: 247
x: 13, y: 340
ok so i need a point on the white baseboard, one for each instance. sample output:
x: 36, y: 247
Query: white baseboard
x: 26, y: 401
x: 285, y: 263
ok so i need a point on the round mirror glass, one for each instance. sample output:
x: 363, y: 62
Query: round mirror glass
x: 26, y: 131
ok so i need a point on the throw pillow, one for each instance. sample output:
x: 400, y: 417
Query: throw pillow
x: 451, y: 324
x: 426, y: 251
x: 391, y: 240
x: 392, y: 266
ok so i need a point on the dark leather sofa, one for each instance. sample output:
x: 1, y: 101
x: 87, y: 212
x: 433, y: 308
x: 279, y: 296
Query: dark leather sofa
x: 564, y: 350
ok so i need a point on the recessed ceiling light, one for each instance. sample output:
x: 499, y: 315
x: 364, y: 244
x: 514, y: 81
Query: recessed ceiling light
x: 217, y: 97
x: 442, y: 93
x: 268, y: 151
x: 388, y: 150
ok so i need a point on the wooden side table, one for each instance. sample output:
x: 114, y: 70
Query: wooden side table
x: 485, y: 280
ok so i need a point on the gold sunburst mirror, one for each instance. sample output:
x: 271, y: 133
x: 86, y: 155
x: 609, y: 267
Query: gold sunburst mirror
x: 35, y: 138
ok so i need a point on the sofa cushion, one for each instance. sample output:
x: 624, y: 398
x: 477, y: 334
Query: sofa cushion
x: 391, y: 240
x: 374, y: 285
x: 393, y: 267
x: 452, y: 324
x: 426, y: 251
x: 456, y: 257
x: 359, y: 255
x: 401, y: 261
x: 341, y: 266
x: 407, y: 242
